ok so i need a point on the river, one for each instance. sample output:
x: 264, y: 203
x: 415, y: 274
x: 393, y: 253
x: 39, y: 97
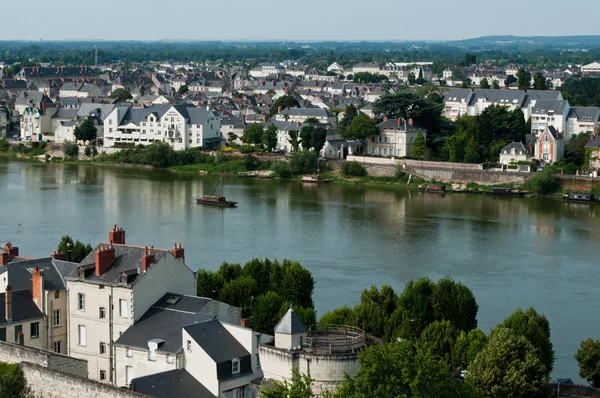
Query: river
x: 512, y: 252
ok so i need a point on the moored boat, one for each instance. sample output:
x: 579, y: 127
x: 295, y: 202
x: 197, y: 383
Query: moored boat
x: 579, y: 197
x: 216, y: 200
x: 315, y: 180
x: 439, y: 188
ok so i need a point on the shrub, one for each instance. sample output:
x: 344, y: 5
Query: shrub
x: 70, y: 148
x: 226, y: 149
x: 88, y: 151
x: 250, y: 162
x: 247, y: 149
x: 282, y: 169
x: 303, y: 162
x: 4, y: 145
x: 353, y: 169
x: 543, y: 183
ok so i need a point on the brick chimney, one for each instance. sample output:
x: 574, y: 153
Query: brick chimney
x: 178, y: 251
x: 8, y: 303
x: 279, y: 109
x: 37, y: 288
x: 8, y: 253
x: 104, y: 257
x: 147, y: 259
x: 245, y: 322
x: 58, y: 255
x: 410, y: 121
x: 117, y: 236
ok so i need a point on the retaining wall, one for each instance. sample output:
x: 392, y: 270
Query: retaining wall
x: 15, y: 353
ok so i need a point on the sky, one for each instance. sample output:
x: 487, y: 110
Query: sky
x: 299, y: 20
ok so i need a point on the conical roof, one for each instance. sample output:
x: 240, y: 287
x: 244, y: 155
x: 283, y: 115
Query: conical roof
x: 290, y: 324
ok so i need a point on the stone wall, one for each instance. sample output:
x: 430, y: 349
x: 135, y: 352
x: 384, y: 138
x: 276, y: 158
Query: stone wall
x: 14, y: 353
x: 482, y: 177
x: 49, y: 383
x: 577, y: 390
x: 577, y: 183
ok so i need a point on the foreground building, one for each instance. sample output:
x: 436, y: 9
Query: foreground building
x: 396, y: 137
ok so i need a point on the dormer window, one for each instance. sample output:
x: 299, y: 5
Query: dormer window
x: 235, y: 366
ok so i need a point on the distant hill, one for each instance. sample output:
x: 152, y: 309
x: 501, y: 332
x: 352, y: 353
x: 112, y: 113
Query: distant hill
x: 574, y: 42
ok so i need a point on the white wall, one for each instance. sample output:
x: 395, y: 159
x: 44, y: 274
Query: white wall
x: 140, y: 363
x: 200, y: 365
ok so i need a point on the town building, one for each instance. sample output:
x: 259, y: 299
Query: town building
x: 594, y: 67
x: 583, y: 120
x: 396, y: 137
x: 513, y: 153
x: 592, y: 149
x: 111, y: 289
x: 550, y: 113
x: 550, y: 146
x: 302, y: 114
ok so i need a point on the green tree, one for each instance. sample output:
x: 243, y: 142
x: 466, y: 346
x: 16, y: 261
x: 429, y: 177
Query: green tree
x: 471, y: 152
x: 311, y: 120
x: 269, y: 137
x: 362, y: 129
x: 465, y: 84
x: 12, y: 382
x: 87, y: 151
x: 466, y: 347
x: 412, y: 80
x: 294, y: 140
x: 306, y: 137
x: 456, y: 303
x: 539, y: 82
x: 285, y: 101
x: 121, y: 94
x: 420, y: 80
x: 208, y: 283
x: 495, y: 85
x: 523, y: 79
x: 536, y: 329
x: 588, y: 358
x: 4, y: 145
x: 253, y: 134
x: 86, y: 131
x: 575, y: 149
x: 543, y: 182
x: 282, y: 169
x: 238, y: 292
x: 414, y: 311
x: 297, y: 284
x: 455, y: 146
x: 439, y: 338
x: 230, y: 271
x: 510, y: 79
x: 303, y: 162
x: 183, y: 89
x: 339, y: 316
x: 263, y: 309
x: 506, y: 365
x: 353, y: 169
x: 349, y: 114
x: 70, y: 148
x: 318, y: 139
x: 484, y: 83
x: 74, y: 251
x: 300, y: 387
x: 419, y: 147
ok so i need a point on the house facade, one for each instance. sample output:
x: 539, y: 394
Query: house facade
x: 549, y: 146
x: 111, y: 289
x: 299, y: 115
x: 583, y: 120
x: 513, y: 153
x: 396, y: 137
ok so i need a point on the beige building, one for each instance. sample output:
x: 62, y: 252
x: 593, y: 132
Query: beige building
x: 111, y: 289
x: 396, y: 137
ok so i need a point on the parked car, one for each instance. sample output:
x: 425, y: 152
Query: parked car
x: 16, y: 135
x: 28, y: 138
x: 563, y: 381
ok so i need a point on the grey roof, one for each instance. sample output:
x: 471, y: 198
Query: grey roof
x: 544, y: 105
x: 517, y: 146
x: 128, y: 259
x: 310, y: 112
x: 552, y: 131
x: 397, y: 124
x: 33, y: 98
x: 65, y: 114
x: 192, y: 114
x: 177, y: 383
x: 594, y: 142
x: 585, y: 114
x: 290, y: 324
x: 23, y: 307
x: 104, y: 110
x: 19, y: 273
x: 216, y: 341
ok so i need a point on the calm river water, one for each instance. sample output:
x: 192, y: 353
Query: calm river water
x: 512, y: 252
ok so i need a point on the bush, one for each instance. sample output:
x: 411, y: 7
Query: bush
x: 88, y: 151
x: 250, y: 162
x: 247, y: 149
x: 70, y: 148
x: 543, y: 183
x: 282, y: 169
x: 4, y: 145
x: 353, y: 169
x: 12, y: 382
x: 303, y: 162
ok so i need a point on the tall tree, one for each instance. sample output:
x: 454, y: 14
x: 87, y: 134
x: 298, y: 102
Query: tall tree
x: 269, y: 137
x: 471, y: 152
x: 456, y: 303
x: 495, y: 85
x: 86, y: 131
x: 183, y: 89
x: 539, y: 82
x: 466, y: 347
x: 484, y: 83
x: 294, y: 139
x: 285, y: 101
x: 253, y: 134
x: 506, y: 365
x: 523, y: 79
x: 349, y: 114
x: 361, y: 129
x: 588, y: 358
x: 74, y: 251
x: 306, y: 136
x: 318, y: 139
x: 263, y: 308
x: 419, y: 147
x: 121, y: 94
x: 300, y: 387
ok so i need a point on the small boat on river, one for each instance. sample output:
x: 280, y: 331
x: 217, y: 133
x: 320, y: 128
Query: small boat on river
x: 505, y: 192
x: 315, y: 180
x: 216, y: 200
x: 579, y: 197
x: 437, y: 188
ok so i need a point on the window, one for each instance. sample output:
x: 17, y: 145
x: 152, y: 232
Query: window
x: 102, y: 348
x: 81, y: 335
x: 189, y: 345
x: 81, y: 301
x: 123, y: 308
x: 56, y: 318
x: 242, y: 392
x: 257, y: 361
x: 109, y: 121
x: 57, y: 294
x: 35, y: 330
x: 546, y: 157
x: 102, y: 312
x: 235, y: 366
x: 129, y: 353
x: 57, y: 347
x: 102, y: 375
x: 169, y: 359
x: 128, y: 374
x: 257, y: 340
x: 3, y: 334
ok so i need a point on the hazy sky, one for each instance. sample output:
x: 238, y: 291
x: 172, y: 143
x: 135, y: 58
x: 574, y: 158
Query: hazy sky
x: 299, y: 20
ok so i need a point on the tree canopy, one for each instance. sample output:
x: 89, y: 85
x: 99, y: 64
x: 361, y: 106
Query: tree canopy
x: 12, y: 382
x: 253, y: 134
x: 285, y: 101
x: 362, y: 128
x: 74, y: 251
x: 86, y: 131
x: 121, y: 94
x: 269, y: 137
x: 419, y: 147
x: 588, y: 358
x: 523, y: 79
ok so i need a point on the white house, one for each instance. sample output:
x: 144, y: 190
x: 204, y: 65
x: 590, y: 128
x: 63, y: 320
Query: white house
x: 111, y: 289
x: 594, y: 67
x: 182, y: 126
x: 549, y: 113
x: 583, y: 120
x: 513, y: 153
x: 301, y: 114
x: 396, y: 137
x: 335, y: 68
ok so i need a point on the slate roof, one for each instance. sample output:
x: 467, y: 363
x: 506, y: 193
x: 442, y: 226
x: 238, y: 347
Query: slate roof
x: 544, y: 106
x: 54, y: 72
x: 128, y: 259
x: 177, y: 383
x: 585, y: 114
x: 310, y: 112
x: 290, y: 324
x: 19, y: 273
x: 191, y: 114
x: 24, y: 308
x: 517, y: 146
x: 216, y: 341
x: 12, y: 84
x: 594, y: 143
x: 393, y: 124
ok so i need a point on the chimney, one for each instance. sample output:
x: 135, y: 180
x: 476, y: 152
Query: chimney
x: 43, y: 107
x: 410, y: 121
x: 245, y: 322
x: 385, y: 119
x: 178, y: 251
x: 147, y: 259
x: 37, y: 288
x: 8, y: 303
x: 57, y: 255
x: 279, y: 109
x: 117, y: 236
x: 399, y: 122
x: 104, y: 257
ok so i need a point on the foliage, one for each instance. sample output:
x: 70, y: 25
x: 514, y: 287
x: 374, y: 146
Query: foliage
x: 121, y: 94
x: 74, y: 251
x: 4, y: 145
x: 508, y: 364
x: 209, y: 283
x: 455, y: 302
x: 285, y: 101
x: 582, y: 92
x: 439, y: 339
x: 303, y: 162
x: 269, y: 137
x: 282, y: 169
x: 253, y: 134
x: 349, y: 114
x: 539, y: 82
x: 183, y: 89
x: 575, y: 149
x: 313, y: 137
x: 466, y: 347
x: 588, y: 358
x: 238, y: 292
x: 543, y: 183
x: 419, y: 147
x: 368, y: 78
x: 294, y: 139
x: 70, y: 148
x: 484, y: 83
x: 536, y: 329
x: 12, y: 382
x: 311, y: 120
x: 339, y: 316
x: 523, y: 79
x: 353, y: 169
x: 495, y: 85
x: 362, y: 128
x: 300, y: 387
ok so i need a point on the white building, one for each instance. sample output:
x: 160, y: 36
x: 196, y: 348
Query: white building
x: 594, y: 67
x: 549, y: 146
x: 549, y: 113
x: 335, y: 68
x: 513, y: 153
x: 366, y: 67
x: 396, y: 137
x: 583, y: 120
x: 111, y: 289
x: 301, y: 114
x: 267, y: 70
x: 182, y: 126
